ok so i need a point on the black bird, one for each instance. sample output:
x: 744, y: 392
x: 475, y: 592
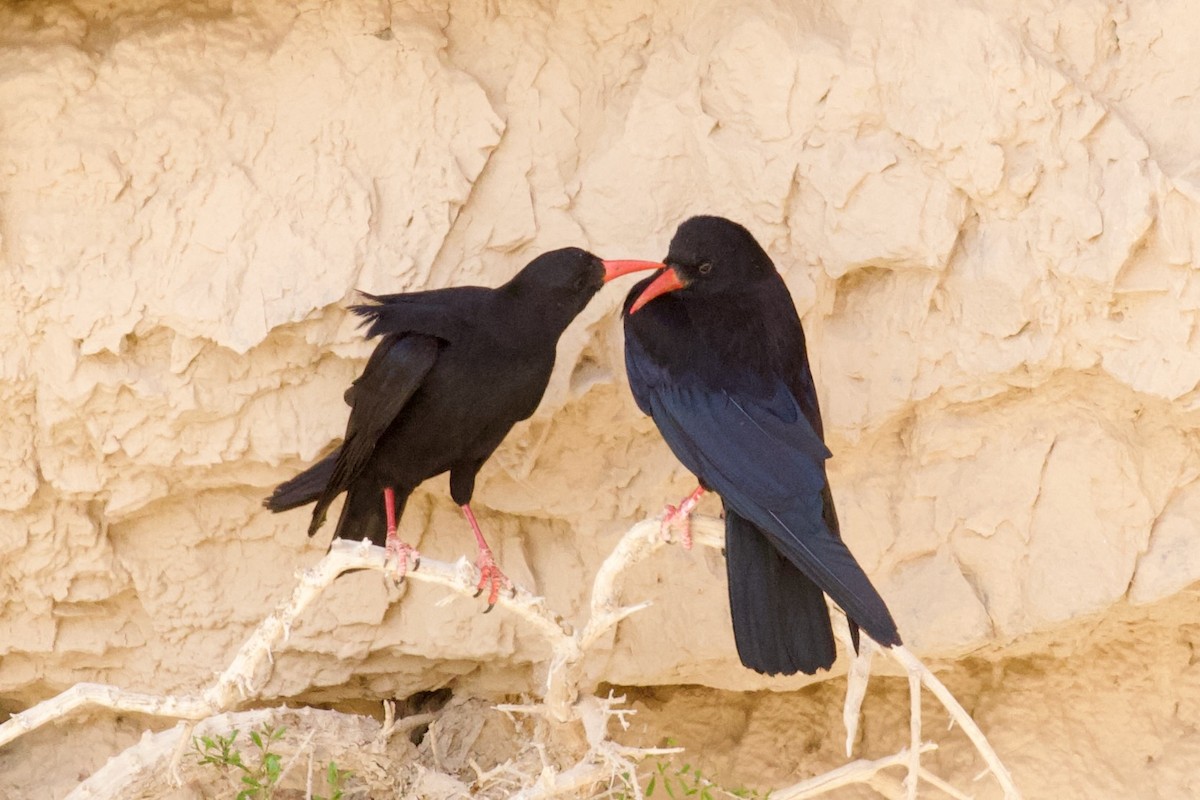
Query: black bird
x: 455, y: 370
x: 716, y: 356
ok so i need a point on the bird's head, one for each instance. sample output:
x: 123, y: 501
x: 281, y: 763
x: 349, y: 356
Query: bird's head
x: 708, y: 255
x: 567, y: 279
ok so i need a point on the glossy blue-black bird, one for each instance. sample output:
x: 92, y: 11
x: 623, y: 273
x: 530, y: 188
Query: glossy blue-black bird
x: 454, y: 370
x: 716, y: 356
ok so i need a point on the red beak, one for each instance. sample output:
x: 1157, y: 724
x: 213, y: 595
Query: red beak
x: 667, y: 282
x: 615, y: 269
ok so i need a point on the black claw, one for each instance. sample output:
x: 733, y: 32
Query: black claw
x: 478, y: 592
x: 513, y: 593
x: 417, y: 564
x: 489, y: 608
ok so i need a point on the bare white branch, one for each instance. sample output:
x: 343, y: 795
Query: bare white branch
x: 913, y: 665
x: 856, y: 685
x: 860, y: 771
x: 566, y: 697
x: 141, y: 765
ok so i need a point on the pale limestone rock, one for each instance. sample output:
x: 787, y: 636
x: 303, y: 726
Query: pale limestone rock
x: 1171, y: 562
x: 988, y: 215
x: 942, y: 621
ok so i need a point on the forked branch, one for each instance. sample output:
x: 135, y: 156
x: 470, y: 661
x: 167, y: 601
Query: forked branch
x: 562, y: 702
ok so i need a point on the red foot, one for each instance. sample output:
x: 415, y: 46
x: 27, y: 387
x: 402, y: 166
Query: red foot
x: 489, y: 573
x: 398, y: 555
x: 680, y: 517
x: 398, y: 552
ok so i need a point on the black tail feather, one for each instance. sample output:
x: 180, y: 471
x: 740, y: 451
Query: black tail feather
x: 780, y: 617
x: 363, y: 514
x: 303, y: 489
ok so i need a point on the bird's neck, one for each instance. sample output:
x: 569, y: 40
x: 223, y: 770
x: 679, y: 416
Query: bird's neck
x: 535, y: 317
x: 749, y: 340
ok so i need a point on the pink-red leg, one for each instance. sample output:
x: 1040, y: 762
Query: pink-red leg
x: 681, y: 517
x: 398, y: 552
x: 489, y: 573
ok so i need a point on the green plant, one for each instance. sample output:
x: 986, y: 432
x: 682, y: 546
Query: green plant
x: 258, y: 779
x: 676, y: 783
x: 333, y: 779
x: 689, y: 781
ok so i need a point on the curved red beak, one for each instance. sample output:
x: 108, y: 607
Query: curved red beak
x: 667, y: 282
x: 615, y: 269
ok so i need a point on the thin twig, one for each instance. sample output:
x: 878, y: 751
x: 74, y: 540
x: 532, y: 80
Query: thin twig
x: 304, y: 747
x: 856, y: 688
x: 913, y: 780
x: 959, y: 714
x: 859, y: 771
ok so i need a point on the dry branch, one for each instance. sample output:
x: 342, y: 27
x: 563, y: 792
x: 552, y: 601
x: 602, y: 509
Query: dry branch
x: 855, y: 772
x: 644, y: 539
x: 237, y: 682
x: 918, y: 675
x: 562, y: 696
x: 144, y: 765
x: 857, y: 678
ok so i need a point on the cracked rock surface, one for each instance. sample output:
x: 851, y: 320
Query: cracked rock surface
x: 988, y: 215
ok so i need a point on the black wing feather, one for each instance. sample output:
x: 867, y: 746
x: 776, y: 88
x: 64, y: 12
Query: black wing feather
x: 780, y: 618
x: 445, y: 314
x: 763, y: 457
x: 394, y: 372
x: 305, y: 487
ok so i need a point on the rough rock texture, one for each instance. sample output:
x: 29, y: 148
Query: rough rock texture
x: 988, y: 214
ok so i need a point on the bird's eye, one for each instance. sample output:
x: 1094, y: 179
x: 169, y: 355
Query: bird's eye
x: 705, y: 268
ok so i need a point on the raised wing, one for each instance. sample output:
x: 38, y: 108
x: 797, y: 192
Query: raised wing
x: 442, y: 313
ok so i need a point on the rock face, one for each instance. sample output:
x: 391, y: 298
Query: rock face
x: 988, y: 215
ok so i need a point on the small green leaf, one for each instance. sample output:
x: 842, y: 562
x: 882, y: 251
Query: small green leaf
x: 272, y: 765
x: 650, y: 785
x: 254, y: 737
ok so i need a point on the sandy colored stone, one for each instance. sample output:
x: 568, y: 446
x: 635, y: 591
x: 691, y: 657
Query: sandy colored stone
x: 988, y: 216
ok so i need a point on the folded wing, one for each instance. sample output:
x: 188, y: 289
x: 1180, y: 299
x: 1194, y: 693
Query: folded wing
x: 393, y: 374
x: 761, y: 454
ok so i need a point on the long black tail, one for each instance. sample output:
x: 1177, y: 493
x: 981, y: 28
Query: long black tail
x: 363, y: 515
x: 780, y: 618
x: 305, y: 488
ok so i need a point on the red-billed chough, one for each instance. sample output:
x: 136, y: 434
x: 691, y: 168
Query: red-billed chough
x: 715, y: 354
x: 454, y: 370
